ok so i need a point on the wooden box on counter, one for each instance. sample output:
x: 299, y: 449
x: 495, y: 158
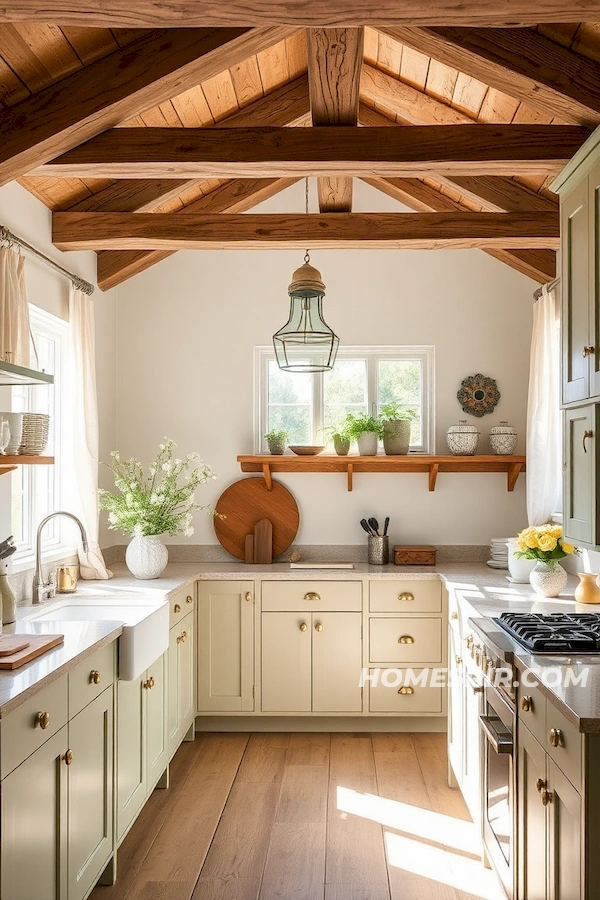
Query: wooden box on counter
x: 405, y: 555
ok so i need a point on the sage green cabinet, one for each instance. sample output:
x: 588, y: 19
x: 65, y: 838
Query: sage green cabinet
x: 581, y: 474
x: 182, y: 671
x: 531, y: 817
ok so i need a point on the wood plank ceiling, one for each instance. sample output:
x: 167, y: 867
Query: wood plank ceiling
x: 170, y: 180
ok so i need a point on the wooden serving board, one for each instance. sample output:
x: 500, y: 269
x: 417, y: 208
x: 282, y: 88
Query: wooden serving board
x: 36, y: 645
x: 244, y: 504
x: 263, y: 543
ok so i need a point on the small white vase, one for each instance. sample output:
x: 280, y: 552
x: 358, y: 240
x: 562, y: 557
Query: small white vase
x: 146, y: 556
x: 548, y: 578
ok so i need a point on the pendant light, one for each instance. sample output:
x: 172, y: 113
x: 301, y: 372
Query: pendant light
x: 306, y: 343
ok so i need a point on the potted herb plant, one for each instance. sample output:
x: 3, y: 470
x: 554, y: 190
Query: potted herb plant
x: 276, y: 441
x: 366, y: 431
x: 396, y: 425
x: 340, y: 437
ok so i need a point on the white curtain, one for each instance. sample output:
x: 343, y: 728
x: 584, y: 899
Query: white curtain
x: 14, y: 309
x: 82, y: 451
x: 544, y: 457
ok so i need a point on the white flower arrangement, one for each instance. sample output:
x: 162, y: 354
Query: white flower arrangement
x: 160, y: 502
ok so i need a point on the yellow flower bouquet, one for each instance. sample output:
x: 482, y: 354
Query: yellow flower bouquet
x: 544, y: 543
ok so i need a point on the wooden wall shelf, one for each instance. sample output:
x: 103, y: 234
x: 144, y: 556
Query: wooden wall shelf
x: 432, y: 465
x: 9, y: 463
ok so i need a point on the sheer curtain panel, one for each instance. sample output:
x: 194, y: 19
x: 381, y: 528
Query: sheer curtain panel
x: 544, y: 469
x: 14, y: 309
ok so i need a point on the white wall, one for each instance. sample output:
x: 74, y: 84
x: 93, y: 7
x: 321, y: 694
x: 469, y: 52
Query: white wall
x: 186, y: 333
x: 23, y: 214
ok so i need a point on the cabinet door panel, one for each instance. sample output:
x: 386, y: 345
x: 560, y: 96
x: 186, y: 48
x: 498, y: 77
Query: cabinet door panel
x: 473, y: 740
x: 580, y: 474
x: 131, y: 761
x: 575, y: 293
x: 186, y: 674
x: 225, y: 646
x: 286, y: 662
x: 157, y: 747
x: 34, y: 825
x: 564, y: 831
x: 337, y: 661
x: 405, y: 640
x: 173, y: 705
x: 90, y: 794
x: 594, y: 306
x: 456, y: 707
x: 531, y: 818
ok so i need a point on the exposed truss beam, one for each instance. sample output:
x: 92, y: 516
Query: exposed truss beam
x: 312, y: 13
x: 193, y: 231
x: 132, y: 79
x: 294, y: 152
x: 335, y: 57
x: 116, y: 266
x: 518, y: 61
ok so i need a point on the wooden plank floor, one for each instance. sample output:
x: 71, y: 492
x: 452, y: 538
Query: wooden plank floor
x: 304, y: 817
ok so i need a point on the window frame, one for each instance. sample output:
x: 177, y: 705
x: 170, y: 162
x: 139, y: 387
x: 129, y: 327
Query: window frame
x: 373, y: 354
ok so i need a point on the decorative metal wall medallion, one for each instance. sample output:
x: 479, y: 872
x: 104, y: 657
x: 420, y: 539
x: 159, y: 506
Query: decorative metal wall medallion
x: 478, y: 395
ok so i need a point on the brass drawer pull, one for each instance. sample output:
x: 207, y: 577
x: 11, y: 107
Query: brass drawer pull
x: 545, y: 796
x: 319, y: 627
x: 556, y: 737
x: 248, y: 597
x: 69, y: 757
x: 406, y: 690
x: 406, y: 595
x: 189, y: 599
x: 94, y: 676
x: 303, y: 626
x: 148, y: 685
x: 43, y: 720
x: 588, y: 351
x: 586, y: 435
x: 527, y: 704
x: 177, y: 608
x: 406, y: 639
x: 312, y: 596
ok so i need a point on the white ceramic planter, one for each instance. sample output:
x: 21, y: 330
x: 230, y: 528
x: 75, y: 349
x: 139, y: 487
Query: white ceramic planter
x: 520, y: 569
x: 548, y: 578
x: 367, y: 443
x: 146, y: 556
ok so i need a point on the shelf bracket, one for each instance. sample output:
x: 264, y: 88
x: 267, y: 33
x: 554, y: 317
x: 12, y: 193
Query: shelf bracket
x: 512, y: 473
x: 434, y: 468
x: 266, y: 469
x: 350, y: 474
x: 5, y: 469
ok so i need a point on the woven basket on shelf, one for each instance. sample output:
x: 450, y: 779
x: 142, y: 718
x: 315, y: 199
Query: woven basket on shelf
x: 34, y: 436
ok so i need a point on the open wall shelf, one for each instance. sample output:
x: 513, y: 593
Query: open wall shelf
x: 9, y: 463
x: 431, y: 465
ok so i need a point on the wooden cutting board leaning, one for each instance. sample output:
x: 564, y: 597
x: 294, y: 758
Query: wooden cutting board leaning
x: 244, y: 504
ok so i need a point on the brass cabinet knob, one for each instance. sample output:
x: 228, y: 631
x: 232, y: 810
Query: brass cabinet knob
x: 586, y: 435
x: 454, y: 616
x: 469, y: 641
x: 588, y: 351
x: 540, y: 783
x: 248, y: 597
x: 182, y: 637
x: 318, y: 627
x: 189, y: 599
x: 527, y: 704
x: 94, y: 676
x: 177, y: 608
x: 303, y: 626
x: 406, y: 690
x: 406, y: 639
x: 312, y: 596
x: 556, y: 737
x: 69, y: 757
x: 43, y: 719
x: 545, y: 796
x: 458, y: 660
x: 406, y: 595
x: 148, y: 685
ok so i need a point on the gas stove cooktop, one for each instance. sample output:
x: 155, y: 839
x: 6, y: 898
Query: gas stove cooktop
x: 554, y: 632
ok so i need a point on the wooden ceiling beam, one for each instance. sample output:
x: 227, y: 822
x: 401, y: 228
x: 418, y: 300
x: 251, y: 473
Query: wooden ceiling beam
x: 310, y: 14
x: 134, y: 78
x: 519, y: 62
x: 287, y: 105
x: 116, y: 266
x: 540, y: 264
x: 335, y: 57
x: 340, y: 151
x: 193, y: 231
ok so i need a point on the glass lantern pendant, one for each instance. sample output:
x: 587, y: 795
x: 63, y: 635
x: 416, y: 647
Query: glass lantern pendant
x: 306, y: 343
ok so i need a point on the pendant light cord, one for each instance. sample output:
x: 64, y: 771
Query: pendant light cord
x: 307, y: 254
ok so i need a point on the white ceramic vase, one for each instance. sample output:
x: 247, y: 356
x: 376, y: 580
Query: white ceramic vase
x: 146, y: 556
x: 548, y: 578
x: 520, y: 568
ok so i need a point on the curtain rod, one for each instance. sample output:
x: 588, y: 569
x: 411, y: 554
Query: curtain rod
x: 551, y: 284
x: 79, y: 283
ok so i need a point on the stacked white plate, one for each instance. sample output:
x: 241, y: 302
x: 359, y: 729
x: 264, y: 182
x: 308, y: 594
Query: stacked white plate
x: 498, y: 554
x: 34, y: 436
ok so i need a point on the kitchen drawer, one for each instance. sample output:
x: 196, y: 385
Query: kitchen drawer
x: 21, y: 731
x: 415, y: 697
x: 88, y: 680
x: 404, y: 597
x: 311, y: 596
x: 180, y: 604
x: 568, y: 754
x: 531, y: 710
x: 405, y: 640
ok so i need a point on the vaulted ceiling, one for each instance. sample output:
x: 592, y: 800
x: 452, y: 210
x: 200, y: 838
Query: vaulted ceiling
x: 113, y: 129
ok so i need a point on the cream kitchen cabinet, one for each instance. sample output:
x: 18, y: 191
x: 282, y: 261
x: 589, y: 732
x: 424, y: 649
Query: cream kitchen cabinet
x: 581, y: 474
x: 182, y: 677
x: 225, y: 646
x: 311, y: 662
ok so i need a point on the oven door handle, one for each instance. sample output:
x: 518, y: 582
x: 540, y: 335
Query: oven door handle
x: 502, y: 743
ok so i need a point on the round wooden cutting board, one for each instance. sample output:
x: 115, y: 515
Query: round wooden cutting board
x: 245, y: 503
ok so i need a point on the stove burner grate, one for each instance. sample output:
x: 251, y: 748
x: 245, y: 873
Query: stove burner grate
x: 554, y: 632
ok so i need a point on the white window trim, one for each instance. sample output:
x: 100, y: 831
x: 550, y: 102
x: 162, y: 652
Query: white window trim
x: 425, y: 352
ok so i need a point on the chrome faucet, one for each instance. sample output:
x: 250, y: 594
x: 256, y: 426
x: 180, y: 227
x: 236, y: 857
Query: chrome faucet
x: 43, y: 590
